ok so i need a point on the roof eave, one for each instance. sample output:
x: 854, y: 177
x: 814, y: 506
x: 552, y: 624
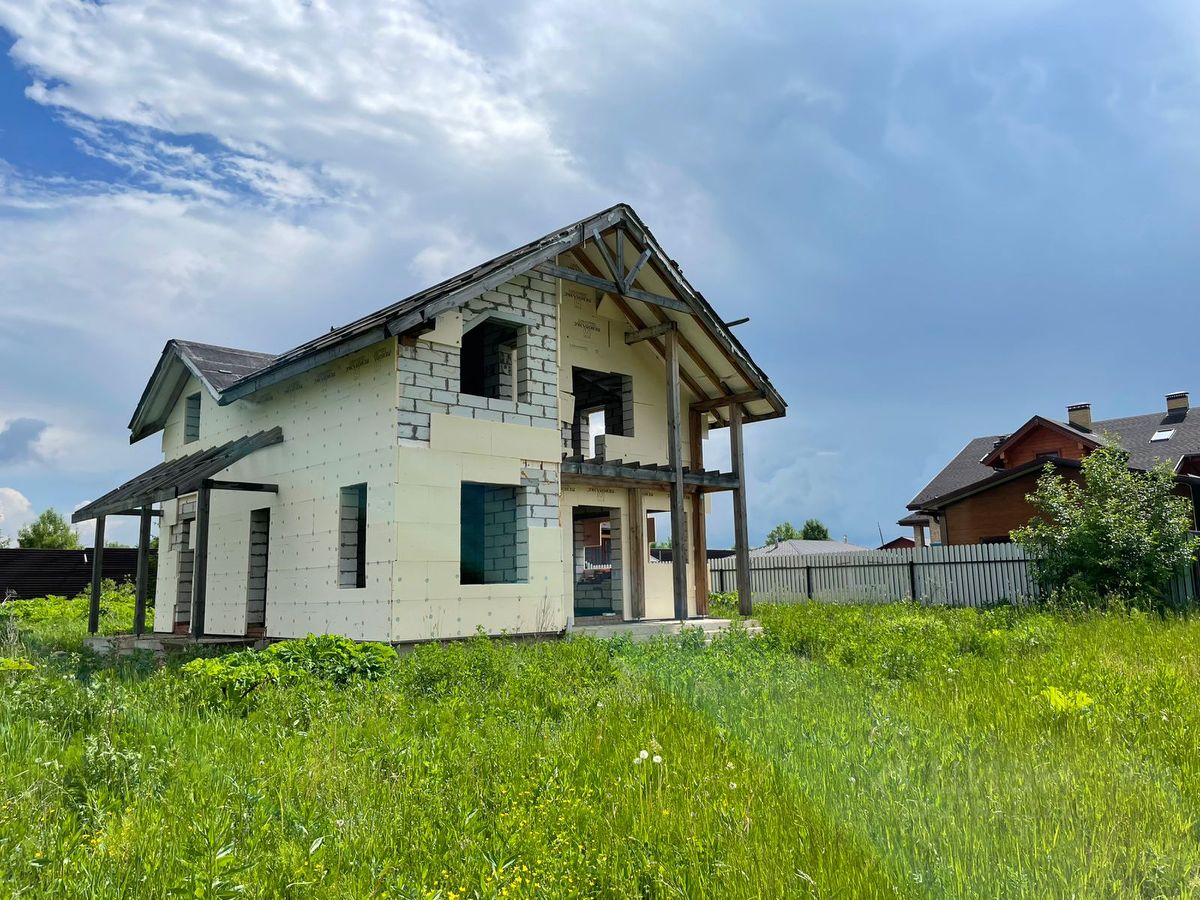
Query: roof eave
x: 936, y: 504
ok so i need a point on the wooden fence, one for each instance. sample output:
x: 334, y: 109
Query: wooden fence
x: 976, y: 575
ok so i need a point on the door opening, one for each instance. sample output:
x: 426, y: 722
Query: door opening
x: 598, y: 562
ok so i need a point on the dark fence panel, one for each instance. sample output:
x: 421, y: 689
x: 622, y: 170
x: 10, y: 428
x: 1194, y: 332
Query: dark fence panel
x: 37, y: 573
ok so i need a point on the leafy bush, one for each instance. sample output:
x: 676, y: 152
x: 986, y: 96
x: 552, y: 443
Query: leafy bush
x: 231, y: 679
x: 332, y: 657
x: 1115, y: 532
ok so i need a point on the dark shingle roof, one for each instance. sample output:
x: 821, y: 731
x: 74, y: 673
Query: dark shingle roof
x: 963, y: 470
x: 222, y: 366
x: 1132, y: 433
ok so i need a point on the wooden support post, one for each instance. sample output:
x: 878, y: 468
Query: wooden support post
x: 635, y: 554
x: 741, y: 531
x: 699, y: 525
x: 143, y: 573
x: 200, y: 560
x: 679, y: 542
x: 97, y: 576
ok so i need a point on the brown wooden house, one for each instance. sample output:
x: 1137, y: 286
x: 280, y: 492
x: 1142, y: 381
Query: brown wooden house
x: 980, y: 496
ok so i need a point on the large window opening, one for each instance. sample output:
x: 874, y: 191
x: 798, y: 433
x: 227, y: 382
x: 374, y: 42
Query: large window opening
x: 352, y: 537
x: 598, y: 561
x: 492, y: 361
x: 494, y: 537
x: 603, y: 406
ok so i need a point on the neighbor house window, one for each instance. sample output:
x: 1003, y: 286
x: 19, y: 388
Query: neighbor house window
x: 191, y: 419
x: 352, y: 537
x: 493, y: 360
x: 494, y: 546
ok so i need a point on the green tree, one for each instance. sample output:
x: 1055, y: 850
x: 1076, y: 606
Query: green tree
x: 814, y: 530
x: 49, y: 531
x: 1114, y: 532
x: 782, y: 532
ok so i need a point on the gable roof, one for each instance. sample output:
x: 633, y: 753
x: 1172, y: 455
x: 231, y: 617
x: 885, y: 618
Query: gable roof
x: 1069, y: 431
x: 1132, y: 433
x: 216, y: 368
x: 713, y: 363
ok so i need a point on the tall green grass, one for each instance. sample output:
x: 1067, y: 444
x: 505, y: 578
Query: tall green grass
x: 852, y: 752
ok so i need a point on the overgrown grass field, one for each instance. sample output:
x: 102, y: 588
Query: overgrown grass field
x: 851, y: 752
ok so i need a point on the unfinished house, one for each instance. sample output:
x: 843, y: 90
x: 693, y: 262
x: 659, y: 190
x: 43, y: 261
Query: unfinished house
x: 498, y: 451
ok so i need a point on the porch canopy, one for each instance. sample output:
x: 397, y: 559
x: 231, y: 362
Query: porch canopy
x: 166, y: 481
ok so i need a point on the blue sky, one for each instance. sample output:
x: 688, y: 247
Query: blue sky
x: 941, y: 217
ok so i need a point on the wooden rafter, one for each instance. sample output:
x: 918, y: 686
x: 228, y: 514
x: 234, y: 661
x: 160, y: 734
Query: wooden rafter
x: 595, y: 279
x: 636, y: 321
x: 626, y: 282
x: 668, y: 278
x: 636, y: 337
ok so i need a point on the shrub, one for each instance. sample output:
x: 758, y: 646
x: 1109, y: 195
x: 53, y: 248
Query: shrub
x: 231, y: 679
x: 1116, y: 532
x: 334, y: 658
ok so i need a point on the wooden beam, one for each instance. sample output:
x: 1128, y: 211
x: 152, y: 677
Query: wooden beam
x: 241, y: 486
x: 622, y: 279
x: 703, y: 313
x: 720, y: 402
x: 748, y: 420
x: 636, y: 321
x: 610, y: 287
x: 660, y: 475
x: 636, y: 555
x: 143, y: 573
x: 699, y: 525
x: 637, y: 267
x: 617, y: 277
x: 97, y: 576
x: 679, y: 542
x: 741, y: 530
x: 644, y: 334
x: 200, y: 560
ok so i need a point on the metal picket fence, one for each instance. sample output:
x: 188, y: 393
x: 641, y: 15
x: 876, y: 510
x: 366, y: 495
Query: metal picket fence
x: 975, y: 575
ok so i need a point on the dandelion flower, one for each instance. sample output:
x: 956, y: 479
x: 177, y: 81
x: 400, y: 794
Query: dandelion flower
x: 643, y: 753
x: 637, y: 760
x: 657, y: 759
x: 733, y: 785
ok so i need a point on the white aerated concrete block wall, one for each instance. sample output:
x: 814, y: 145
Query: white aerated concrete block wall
x: 339, y: 426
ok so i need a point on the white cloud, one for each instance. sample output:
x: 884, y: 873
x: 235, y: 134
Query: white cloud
x: 15, y: 512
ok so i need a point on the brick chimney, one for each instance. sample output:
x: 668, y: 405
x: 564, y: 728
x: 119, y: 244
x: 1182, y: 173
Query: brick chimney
x: 1177, y: 402
x: 1080, y: 415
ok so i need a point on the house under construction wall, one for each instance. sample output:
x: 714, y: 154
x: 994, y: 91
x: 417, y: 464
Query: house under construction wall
x: 499, y: 450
